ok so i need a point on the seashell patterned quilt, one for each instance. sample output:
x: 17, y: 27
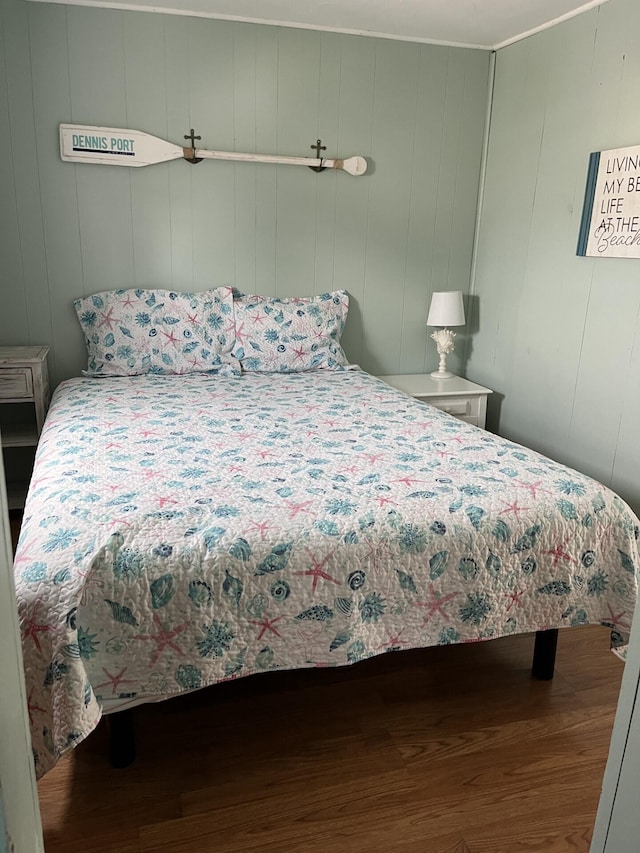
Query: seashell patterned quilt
x: 184, y: 530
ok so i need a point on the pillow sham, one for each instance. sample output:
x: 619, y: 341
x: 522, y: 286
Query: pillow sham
x: 130, y: 332
x: 290, y: 335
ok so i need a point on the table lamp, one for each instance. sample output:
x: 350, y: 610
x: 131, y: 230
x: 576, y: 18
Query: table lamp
x: 446, y: 309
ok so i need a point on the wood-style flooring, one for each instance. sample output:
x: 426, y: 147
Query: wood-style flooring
x: 447, y: 750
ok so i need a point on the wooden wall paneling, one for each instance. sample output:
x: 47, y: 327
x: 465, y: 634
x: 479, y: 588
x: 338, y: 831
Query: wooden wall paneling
x: 552, y: 311
x: 555, y: 308
x: 265, y: 228
x: 26, y: 175
x: 328, y: 123
x: 558, y: 333
x: 626, y: 68
x: 614, y: 57
x: 625, y: 474
x: 473, y: 111
x: 394, y: 121
x: 266, y: 119
x: 418, y: 353
x: 518, y: 144
x: 604, y: 363
x: 445, y: 199
x: 146, y: 106
x: 556, y: 222
x: 180, y: 174
x: 606, y: 360
x: 106, y: 227
x: 355, y: 119
x: 524, y: 323
x: 498, y: 273
x: 244, y: 134
x: 97, y: 67
x: 450, y: 120
x: 502, y: 254
x: 98, y: 96
x: 614, y: 82
x: 297, y: 188
x: 212, y: 112
x: 48, y: 28
x: 14, y: 323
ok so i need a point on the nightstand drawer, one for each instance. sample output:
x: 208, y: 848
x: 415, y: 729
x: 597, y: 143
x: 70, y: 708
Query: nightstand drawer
x: 24, y: 393
x: 459, y: 397
x: 16, y: 383
x: 465, y: 408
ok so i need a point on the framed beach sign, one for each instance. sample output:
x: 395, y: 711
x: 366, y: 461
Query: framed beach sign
x: 610, y: 226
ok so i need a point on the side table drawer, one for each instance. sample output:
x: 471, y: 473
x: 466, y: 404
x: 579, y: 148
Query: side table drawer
x: 16, y: 383
x: 465, y: 408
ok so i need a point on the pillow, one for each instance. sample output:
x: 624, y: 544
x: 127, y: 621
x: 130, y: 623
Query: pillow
x: 129, y: 332
x: 290, y: 335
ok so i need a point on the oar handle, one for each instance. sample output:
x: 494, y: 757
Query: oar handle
x: 352, y: 165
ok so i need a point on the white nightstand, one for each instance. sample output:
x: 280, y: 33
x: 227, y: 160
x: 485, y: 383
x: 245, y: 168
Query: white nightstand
x: 23, y: 379
x: 457, y: 396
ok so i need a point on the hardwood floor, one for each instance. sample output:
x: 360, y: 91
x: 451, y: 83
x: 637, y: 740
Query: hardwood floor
x: 447, y: 750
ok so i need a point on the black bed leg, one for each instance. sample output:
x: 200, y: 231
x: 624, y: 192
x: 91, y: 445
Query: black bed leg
x: 122, y: 744
x: 544, y: 654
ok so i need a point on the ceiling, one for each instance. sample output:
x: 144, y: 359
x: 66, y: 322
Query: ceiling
x: 467, y: 23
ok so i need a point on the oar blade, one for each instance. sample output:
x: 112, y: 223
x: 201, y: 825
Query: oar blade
x: 114, y: 146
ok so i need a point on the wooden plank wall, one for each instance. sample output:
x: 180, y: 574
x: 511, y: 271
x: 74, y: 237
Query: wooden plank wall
x: 559, y: 335
x: 389, y: 238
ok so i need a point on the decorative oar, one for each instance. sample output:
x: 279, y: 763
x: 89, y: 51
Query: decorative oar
x: 118, y: 147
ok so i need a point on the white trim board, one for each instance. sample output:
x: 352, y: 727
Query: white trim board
x: 123, y: 5
x: 16, y: 759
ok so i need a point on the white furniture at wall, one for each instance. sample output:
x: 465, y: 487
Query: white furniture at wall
x: 457, y: 396
x: 617, y: 828
x: 17, y: 773
x: 23, y: 379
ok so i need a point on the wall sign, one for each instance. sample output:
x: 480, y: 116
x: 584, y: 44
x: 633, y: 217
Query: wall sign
x: 610, y: 226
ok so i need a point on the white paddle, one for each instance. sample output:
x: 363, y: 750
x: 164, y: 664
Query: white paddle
x: 118, y: 147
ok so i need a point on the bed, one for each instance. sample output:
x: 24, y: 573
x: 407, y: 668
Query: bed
x: 182, y: 530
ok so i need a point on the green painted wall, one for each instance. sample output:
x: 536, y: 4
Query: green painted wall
x: 389, y: 238
x: 559, y: 335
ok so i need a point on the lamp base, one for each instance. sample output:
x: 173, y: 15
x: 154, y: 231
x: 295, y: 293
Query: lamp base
x: 442, y: 374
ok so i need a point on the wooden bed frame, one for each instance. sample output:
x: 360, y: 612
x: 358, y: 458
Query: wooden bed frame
x: 122, y: 743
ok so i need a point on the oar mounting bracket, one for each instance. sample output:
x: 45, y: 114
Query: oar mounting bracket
x: 318, y: 147
x: 190, y: 153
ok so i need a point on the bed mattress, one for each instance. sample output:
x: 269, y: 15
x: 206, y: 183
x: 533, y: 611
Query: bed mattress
x: 181, y: 531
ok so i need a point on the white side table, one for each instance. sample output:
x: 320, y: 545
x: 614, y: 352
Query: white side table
x: 23, y: 379
x: 457, y: 396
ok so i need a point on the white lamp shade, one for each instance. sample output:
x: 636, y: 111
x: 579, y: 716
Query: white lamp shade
x: 447, y: 309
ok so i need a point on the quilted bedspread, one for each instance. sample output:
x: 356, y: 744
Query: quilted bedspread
x: 180, y: 531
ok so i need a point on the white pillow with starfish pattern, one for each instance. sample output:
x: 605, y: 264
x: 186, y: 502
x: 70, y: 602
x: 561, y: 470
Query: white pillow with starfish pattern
x: 290, y: 335
x: 130, y: 332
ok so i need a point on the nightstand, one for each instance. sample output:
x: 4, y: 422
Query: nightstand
x: 457, y: 396
x: 24, y: 380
